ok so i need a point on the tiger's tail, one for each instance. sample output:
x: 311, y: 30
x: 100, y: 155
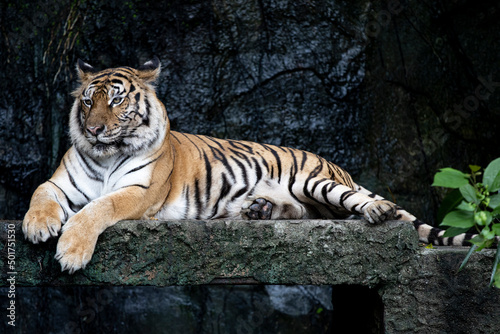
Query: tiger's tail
x: 433, y: 235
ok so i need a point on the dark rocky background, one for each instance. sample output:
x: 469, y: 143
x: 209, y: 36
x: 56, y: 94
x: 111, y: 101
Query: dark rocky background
x: 390, y: 90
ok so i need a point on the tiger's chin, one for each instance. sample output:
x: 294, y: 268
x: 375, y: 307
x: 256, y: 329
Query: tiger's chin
x: 102, y: 150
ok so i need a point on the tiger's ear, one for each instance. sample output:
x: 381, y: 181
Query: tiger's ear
x: 150, y: 70
x: 84, y: 70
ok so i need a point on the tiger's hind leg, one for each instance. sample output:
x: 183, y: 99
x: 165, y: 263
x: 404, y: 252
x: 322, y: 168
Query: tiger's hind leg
x: 260, y: 209
x: 346, y: 200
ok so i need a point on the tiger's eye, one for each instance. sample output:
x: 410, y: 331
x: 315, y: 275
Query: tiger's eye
x: 87, y: 102
x: 117, y: 100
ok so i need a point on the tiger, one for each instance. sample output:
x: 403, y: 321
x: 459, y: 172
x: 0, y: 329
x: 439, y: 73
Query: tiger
x: 125, y: 163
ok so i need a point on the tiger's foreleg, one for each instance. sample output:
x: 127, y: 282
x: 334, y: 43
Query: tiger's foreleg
x: 45, y: 215
x: 79, y: 235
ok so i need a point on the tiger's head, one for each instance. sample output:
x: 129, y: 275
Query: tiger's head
x: 116, y: 110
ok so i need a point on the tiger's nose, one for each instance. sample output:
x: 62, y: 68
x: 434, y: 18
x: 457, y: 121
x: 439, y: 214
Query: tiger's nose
x: 95, y: 130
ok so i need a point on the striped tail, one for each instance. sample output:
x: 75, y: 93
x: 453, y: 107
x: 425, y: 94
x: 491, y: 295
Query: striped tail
x: 433, y: 235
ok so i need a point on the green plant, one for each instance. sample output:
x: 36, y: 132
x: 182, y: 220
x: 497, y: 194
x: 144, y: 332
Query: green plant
x: 473, y: 205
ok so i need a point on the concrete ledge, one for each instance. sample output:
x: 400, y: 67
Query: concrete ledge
x: 420, y: 288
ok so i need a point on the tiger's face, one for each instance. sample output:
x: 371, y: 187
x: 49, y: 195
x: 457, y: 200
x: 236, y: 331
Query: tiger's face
x: 116, y: 111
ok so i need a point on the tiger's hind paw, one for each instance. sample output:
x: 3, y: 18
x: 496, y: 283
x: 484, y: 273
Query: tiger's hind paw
x: 260, y: 209
x: 379, y: 211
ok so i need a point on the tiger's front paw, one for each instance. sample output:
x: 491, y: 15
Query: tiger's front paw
x: 75, y: 247
x: 379, y: 211
x: 40, y: 224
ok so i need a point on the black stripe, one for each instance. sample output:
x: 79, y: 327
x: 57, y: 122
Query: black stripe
x: 175, y: 137
x: 187, y: 199
x: 121, y: 76
x: 344, y: 197
x: 72, y: 181
x: 324, y: 192
x: 240, y: 192
x: 317, y: 183
x: 236, y: 144
x: 304, y: 159
x: 433, y: 237
x: 245, y: 179
x: 72, y: 206
x: 145, y: 116
x: 94, y: 175
x: 216, y: 141
x: 293, y: 173
x: 264, y: 162
x: 278, y: 160
x: 310, y: 177
x: 120, y: 164
x: 125, y: 69
x: 208, y: 180
x: 258, y: 170
x: 225, y: 188
x: 62, y: 207
x: 240, y: 155
x: 450, y: 241
x: 222, y: 158
x: 197, y: 198
x: 196, y: 146
x: 136, y: 185
x: 79, y: 115
x: 142, y: 166
x: 96, y: 81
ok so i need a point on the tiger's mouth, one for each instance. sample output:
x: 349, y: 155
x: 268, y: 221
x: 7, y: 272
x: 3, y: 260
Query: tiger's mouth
x: 105, y: 147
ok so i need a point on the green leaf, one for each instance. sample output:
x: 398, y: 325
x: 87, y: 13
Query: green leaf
x: 478, y: 241
x: 494, y: 201
x: 496, y: 211
x: 466, y: 206
x: 491, y: 176
x: 483, y: 218
x: 469, y: 193
x: 487, y: 234
x: 474, y: 168
x: 496, y: 228
x: 459, y: 218
x: 450, y: 202
x: 454, y: 231
x: 450, y: 178
x: 497, y: 279
x: 481, y: 242
x: 495, y: 266
x: 464, y: 262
